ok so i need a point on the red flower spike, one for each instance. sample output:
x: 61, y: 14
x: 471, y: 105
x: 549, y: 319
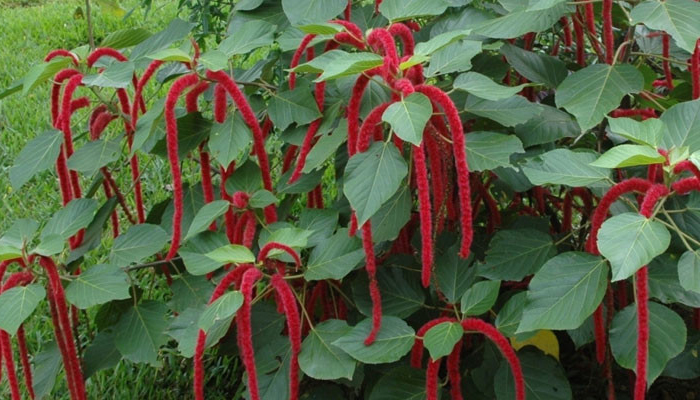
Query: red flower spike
x: 695, y: 70
x: 240, y: 200
x: 348, y: 11
x: 417, y: 349
x: 193, y: 95
x: 608, y: 36
x: 178, y: 87
x: 56, y: 93
x: 568, y: 39
x: 140, y: 84
x: 580, y: 39
x: 431, y: 379
x: 600, y: 334
x: 454, y: 373
x: 426, y: 224
x: 268, y: 247
x: 566, y: 218
x: 440, y: 98
x: 404, y: 32
x: 381, y: 38
x: 61, y: 342
x: 296, y: 57
x: 6, y: 347
x: 353, y: 112
x: 367, y: 130
x: 289, y: 302
x: 666, y: 53
x: 371, y: 267
x: 104, y: 52
x: 652, y: 196
x: 26, y: 366
x: 245, y: 333
x: 258, y: 141
x: 686, y: 165
x: 377, y: 3
x: 642, y: 294
x: 473, y: 324
x: 686, y: 185
x: 249, y: 231
x: 62, y: 53
x: 207, y: 186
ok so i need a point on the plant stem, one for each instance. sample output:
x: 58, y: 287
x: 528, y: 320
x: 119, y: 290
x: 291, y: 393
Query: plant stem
x: 91, y: 36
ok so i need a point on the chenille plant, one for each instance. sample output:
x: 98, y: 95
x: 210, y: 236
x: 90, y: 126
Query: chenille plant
x: 354, y: 183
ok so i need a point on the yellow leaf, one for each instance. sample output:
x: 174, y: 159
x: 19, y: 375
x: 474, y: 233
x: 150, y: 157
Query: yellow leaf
x: 544, y: 340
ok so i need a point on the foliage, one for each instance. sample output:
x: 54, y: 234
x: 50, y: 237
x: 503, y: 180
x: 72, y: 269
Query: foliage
x: 355, y: 183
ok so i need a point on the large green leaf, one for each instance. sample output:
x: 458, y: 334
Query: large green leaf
x: 37, y: 155
x: 206, y: 215
x: 193, y: 252
x: 322, y: 222
x: 39, y: 73
x: 232, y: 253
x: 319, y: 358
x: 482, y: 86
x: 338, y: 63
x: 99, y: 284
x: 439, y: 41
x: 184, y: 328
x: 138, y: 242
x: 689, y: 271
x: 682, y: 123
x: 101, y: 353
x: 95, y: 155
x: 520, y: 22
x: 304, y: 12
x: 564, y: 292
x: 628, y: 155
x: 401, y: 383
x: 141, y: 331
x: 510, y: 315
x: 116, y: 75
x: 223, y: 308
x: 677, y: 17
x: 550, y: 125
x: 393, y: 215
x: 453, y: 274
x: 630, y: 241
x: 544, y: 378
x: 325, y: 147
x: 565, y: 167
x: 454, y: 57
x: 229, y: 141
x: 401, y: 292
x: 125, y: 38
x: 372, y: 177
x: 45, y: 367
x: 394, y: 340
x: 408, y: 117
x: 512, y: 111
x: 17, y: 304
x: 248, y: 37
x: 398, y: 10
x: 65, y: 223
x: 335, y: 257
x: 490, y: 150
x: 479, y: 298
x: 649, y: 132
x: 296, y: 105
x: 441, y: 339
x: 536, y: 67
x: 667, y: 335
x: 594, y: 91
x: 514, y: 254
x: 190, y: 291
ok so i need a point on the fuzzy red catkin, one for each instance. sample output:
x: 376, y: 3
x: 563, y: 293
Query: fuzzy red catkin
x: 695, y: 70
x: 454, y: 373
x: 642, y: 294
x: 60, y: 341
x: 580, y: 41
x: 601, y: 211
x: 686, y: 165
x: 104, y: 52
x: 268, y: 247
x: 26, y: 366
x: 249, y: 231
x: 140, y: 84
x: 566, y: 217
x: 371, y: 267
x: 6, y: 347
x: 354, y: 34
x: 417, y: 349
x: 120, y: 197
x: 62, y: 53
x: 599, y: 333
x: 258, y: 141
x: 59, y: 297
x: 474, y: 324
x: 431, y: 379
x: 245, y: 334
x: 240, y: 200
x: 666, y: 53
x: 353, y: 112
x: 296, y: 57
x: 179, y: 86
x: 229, y: 217
x: 58, y: 79
x: 568, y: 40
x: 367, y: 130
x: 426, y: 223
x: 310, y: 135
x: 608, y: 36
x: 404, y: 32
x: 348, y: 11
x: 440, y: 98
x: 318, y: 192
x: 686, y: 185
x: 652, y: 196
x: 191, y: 106
x: 291, y: 311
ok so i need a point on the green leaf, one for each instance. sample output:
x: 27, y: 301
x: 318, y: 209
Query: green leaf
x: 401, y: 292
x: 479, y: 298
x: 594, y: 91
x: 39, y: 73
x: 304, y: 12
x: 628, y: 155
x: 116, y: 75
x: 408, y: 117
x: 514, y: 254
x: 248, y: 37
x: 9, y: 252
x: 101, y: 353
x: 399, y: 10
x: 97, y: 285
x: 125, y: 38
x: 667, y: 336
x: 649, y: 132
x: 37, y: 155
x: 214, y: 60
x: 338, y: 63
x: 490, y: 150
x: 682, y: 123
x: 190, y: 291
x: 455, y: 57
x: 440, y: 41
x: 93, y: 232
x: 664, y: 284
x: 223, y: 308
x: 335, y: 257
x: 185, y: 330
x: 194, y: 250
x: 564, y: 292
x: 630, y: 241
x: 94, y: 155
x: 322, y: 222
x: 319, y: 358
x: 293, y: 237
x: 550, y: 125
x: 482, y: 86
x: 296, y: 105
x: 141, y: 331
x: 394, y: 340
x: 520, y: 22
x: 192, y: 130
x: 442, y: 338
x: 565, y: 167
x: 176, y: 30
x: 229, y: 141
x: 544, y: 378
x: 325, y: 147
x: 400, y: 383
x: 392, y: 216
x: 689, y: 271
x: 372, y: 177
x: 543, y: 4
x: 262, y: 198
x: 507, y: 112
x: 687, y: 364
x: 677, y: 17
x: 174, y: 54
x: 20, y: 233
x: 17, y: 304
x: 46, y: 366
x: 206, y: 215
x: 67, y: 221
x: 321, y: 28
x: 453, y: 274
x: 232, y: 253
x: 510, y: 315
x: 536, y: 67
x: 137, y: 243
